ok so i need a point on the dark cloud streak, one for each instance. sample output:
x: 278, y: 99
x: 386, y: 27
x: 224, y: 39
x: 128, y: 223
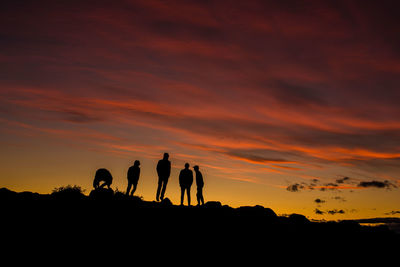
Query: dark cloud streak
x: 330, y: 212
x: 377, y: 184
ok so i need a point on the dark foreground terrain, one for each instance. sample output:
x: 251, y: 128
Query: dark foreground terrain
x: 67, y: 220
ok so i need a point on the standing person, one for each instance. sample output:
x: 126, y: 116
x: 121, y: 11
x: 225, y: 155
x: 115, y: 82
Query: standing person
x: 200, y: 185
x: 185, y: 181
x: 163, y: 171
x: 133, y: 177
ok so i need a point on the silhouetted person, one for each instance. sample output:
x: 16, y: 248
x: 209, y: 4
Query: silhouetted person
x: 200, y: 185
x: 185, y: 181
x: 102, y: 175
x: 163, y: 171
x: 133, y: 177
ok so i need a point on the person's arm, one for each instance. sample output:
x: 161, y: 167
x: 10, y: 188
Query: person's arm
x: 180, y: 178
x: 191, y: 177
x: 158, y: 168
x: 128, y: 173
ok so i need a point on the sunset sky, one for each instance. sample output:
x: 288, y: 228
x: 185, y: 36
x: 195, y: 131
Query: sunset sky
x: 293, y: 105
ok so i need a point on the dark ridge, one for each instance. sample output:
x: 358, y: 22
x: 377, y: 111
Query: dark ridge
x: 108, y: 218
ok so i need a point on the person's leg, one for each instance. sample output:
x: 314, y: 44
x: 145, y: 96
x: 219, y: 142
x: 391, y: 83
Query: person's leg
x: 182, y: 194
x: 198, y: 196
x: 159, y: 189
x: 164, y: 187
x: 133, y: 189
x: 188, y: 194
x: 128, y: 188
x: 201, y: 196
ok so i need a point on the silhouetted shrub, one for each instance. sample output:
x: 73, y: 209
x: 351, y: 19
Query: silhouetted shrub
x: 118, y: 195
x: 68, y: 192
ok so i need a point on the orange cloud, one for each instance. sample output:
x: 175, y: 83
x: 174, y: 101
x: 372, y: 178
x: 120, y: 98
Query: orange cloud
x: 86, y: 108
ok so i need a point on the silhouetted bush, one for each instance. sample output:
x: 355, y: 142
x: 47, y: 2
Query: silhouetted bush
x: 118, y: 195
x: 68, y: 192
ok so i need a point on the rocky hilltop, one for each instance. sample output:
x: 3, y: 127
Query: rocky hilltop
x: 105, y: 217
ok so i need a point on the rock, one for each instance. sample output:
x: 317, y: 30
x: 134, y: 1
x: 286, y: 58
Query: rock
x: 7, y: 195
x: 28, y: 196
x: 257, y: 211
x: 166, y: 202
x: 298, y: 219
x: 270, y: 213
x: 102, y: 194
x: 213, y: 204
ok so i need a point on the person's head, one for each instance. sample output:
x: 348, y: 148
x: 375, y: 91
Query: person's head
x: 137, y: 163
x: 186, y: 165
x: 166, y: 155
x: 196, y: 168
